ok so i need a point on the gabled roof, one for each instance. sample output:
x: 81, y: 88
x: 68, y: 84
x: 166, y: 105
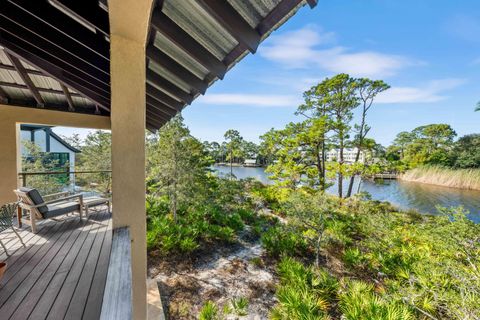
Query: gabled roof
x: 34, y: 127
x: 56, y: 53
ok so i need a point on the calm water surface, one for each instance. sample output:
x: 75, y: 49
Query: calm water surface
x: 405, y: 195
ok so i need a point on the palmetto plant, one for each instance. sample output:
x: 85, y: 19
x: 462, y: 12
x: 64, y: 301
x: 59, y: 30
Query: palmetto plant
x: 240, y: 306
x: 358, y: 301
x: 209, y: 311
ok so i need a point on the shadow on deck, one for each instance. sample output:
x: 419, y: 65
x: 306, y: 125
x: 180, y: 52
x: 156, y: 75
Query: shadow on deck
x: 61, y: 273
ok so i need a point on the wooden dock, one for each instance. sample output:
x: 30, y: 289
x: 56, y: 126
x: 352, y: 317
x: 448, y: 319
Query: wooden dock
x: 386, y: 176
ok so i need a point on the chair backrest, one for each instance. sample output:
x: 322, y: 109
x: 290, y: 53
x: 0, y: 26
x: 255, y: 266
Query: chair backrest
x: 31, y: 197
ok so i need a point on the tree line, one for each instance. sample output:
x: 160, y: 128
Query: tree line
x: 434, y: 144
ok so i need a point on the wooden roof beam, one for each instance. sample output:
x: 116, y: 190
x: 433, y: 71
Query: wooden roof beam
x: 312, y: 3
x: 231, y: 20
x: 50, y: 64
x: 168, y: 86
x: 153, y: 114
x: 88, y: 12
x: 164, y: 98
x: 26, y: 79
x: 156, y: 117
x: 51, y: 69
x: 3, y: 96
x: 161, y: 107
x: 266, y: 25
x: 24, y: 87
x: 162, y: 59
x: 274, y: 16
x: 12, y: 68
x: 71, y: 106
x: 51, y: 16
x: 26, y: 25
x: 164, y: 25
x: 61, y: 57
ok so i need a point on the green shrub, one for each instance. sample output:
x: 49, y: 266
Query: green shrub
x: 209, y: 311
x: 358, y: 301
x: 278, y: 241
x: 303, y: 293
x: 240, y: 306
x: 353, y: 257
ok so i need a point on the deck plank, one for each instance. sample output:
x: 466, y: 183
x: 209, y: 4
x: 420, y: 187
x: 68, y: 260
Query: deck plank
x: 29, y: 261
x: 38, y: 290
x: 80, y: 295
x: 14, y: 259
x: 93, y: 305
x: 66, y: 282
x: 42, y: 269
x: 61, y: 273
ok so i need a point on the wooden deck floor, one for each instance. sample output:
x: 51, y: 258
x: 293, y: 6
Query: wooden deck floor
x: 62, y: 271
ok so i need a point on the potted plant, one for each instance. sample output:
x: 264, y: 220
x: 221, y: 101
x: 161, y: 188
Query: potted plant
x: 3, y: 267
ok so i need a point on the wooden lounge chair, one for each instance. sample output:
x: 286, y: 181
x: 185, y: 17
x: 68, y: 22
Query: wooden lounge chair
x: 7, y: 211
x: 33, y: 202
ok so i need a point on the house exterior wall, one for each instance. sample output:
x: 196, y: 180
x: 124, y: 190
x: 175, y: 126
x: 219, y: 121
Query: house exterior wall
x: 56, y: 146
x: 40, y: 139
x: 348, y: 155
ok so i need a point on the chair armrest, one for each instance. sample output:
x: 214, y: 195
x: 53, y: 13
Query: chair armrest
x: 79, y: 196
x: 29, y: 206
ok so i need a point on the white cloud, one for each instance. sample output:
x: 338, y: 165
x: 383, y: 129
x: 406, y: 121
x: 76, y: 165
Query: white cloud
x: 257, y: 100
x: 433, y: 91
x: 302, y: 49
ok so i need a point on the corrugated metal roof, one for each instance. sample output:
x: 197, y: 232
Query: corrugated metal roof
x: 254, y: 11
x: 202, y: 40
x: 189, y: 15
x: 182, y: 57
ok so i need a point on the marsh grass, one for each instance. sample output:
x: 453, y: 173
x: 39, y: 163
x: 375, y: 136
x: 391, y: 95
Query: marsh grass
x: 454, y: 178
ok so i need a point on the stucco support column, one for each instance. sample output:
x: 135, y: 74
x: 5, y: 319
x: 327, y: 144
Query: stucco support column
x: 129, y: 21
x: 8, y: 160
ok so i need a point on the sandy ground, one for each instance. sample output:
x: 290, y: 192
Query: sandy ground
x: 218, y: 274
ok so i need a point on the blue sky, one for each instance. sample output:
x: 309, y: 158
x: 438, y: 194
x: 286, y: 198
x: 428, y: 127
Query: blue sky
x: 428, y: 51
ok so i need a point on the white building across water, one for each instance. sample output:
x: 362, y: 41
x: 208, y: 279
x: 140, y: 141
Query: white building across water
x: 348, y: 155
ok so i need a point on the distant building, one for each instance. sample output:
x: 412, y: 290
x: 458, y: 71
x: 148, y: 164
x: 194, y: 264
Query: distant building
x: 54, y: 147
x: 348, y: 155
x: 251, y: 163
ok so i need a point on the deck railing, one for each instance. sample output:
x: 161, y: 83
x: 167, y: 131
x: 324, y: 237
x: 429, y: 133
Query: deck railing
x: 47, y: 182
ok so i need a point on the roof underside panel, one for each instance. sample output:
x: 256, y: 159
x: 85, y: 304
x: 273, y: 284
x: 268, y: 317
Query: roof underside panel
x: 64, y: 64
x: 191, y: 17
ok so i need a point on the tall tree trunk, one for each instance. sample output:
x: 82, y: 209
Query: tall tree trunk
x: 340, y: 174
x: 352, y: 178
x: 323, y: 165
x: 361, y: 137
x: 231, y: 165
x: 319, y: 168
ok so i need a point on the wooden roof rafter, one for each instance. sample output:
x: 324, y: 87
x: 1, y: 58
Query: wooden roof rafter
x: 163, y: 24
x: 231, y: 20
x: 3, y: 96
x: 26, y: 79
x: 68, y: 96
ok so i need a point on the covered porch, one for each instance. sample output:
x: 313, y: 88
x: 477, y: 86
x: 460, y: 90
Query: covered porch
x: 124, y: 65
